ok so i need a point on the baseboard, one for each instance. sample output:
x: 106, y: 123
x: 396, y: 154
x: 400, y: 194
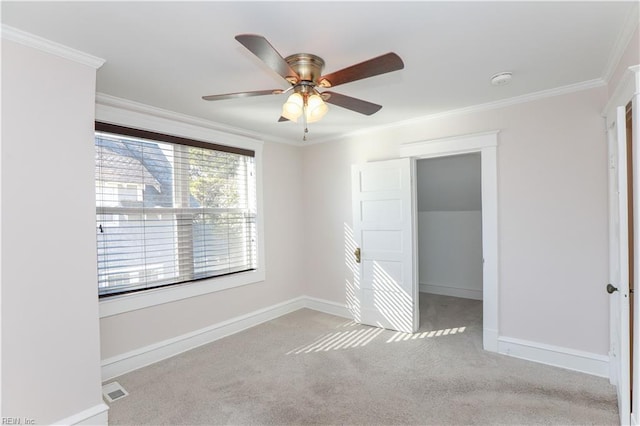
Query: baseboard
x: 328, y: 307
x: 443, y: 290
x: 96, y: 415
x: 124, y: 363
x: 585, y: 362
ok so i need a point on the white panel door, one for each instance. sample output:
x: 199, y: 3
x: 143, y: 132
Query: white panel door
x: 619, y: 263
x: 383, y: 226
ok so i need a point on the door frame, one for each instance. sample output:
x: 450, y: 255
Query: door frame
x: 619, y: 262
x: 626, y: 91
x: 486, y: 144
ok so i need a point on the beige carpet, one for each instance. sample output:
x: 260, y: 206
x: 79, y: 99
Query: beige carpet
x: 312, y: 368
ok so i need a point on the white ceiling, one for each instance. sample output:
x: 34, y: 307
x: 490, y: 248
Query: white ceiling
x: 169, y: 54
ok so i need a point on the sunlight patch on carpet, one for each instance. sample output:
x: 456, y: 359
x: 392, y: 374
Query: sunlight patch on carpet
x: 400, y: 336
x: 339, y: 340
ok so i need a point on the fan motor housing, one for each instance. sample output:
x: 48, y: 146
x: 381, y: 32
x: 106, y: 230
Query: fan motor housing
x: 309, y: 67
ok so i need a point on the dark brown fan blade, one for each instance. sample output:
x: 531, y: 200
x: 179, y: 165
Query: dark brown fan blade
x: 241, y: 95
x: 354, y: 104
x: 376, y: 66
x: 260, y: 47
x: 281, y: 119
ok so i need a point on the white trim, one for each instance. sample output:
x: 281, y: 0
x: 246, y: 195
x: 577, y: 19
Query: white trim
x: 37, y: 42
x: 118, y: 365
x: 621, y: 43
x: 96, y: 415
x: 124, y: 363
x: 328, y: 307
x: 624, y: 91
x: 503, y: 103
x: 486, y: 143
x: 570, y: 359
x: 490, y: 254
x: 123, y: 112
x: 635, y: 380
x: 152, y: 119
x: 105, y: 102
x: 138, y: 358
x: 453, y: 145
x: 634, y: 419
x: 446, y: 290
x: 115, y: 305
x: 490, y: 339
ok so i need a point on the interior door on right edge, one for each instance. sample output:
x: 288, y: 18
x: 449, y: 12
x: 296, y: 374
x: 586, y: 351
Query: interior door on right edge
x: 384, y: 231
x: 619, y: 263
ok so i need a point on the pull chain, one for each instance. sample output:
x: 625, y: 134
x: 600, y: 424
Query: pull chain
x: 304, y: 121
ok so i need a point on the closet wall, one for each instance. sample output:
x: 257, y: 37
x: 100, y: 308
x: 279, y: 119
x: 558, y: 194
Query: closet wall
x: 450, y: 226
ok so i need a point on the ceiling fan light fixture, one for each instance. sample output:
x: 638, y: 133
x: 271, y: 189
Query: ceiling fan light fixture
x: 316, y: 108
x: 293, y: 108
x: 303, y: 71
x: 324, y: 83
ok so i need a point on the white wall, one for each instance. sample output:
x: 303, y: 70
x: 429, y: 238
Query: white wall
x: 451, y: 183
x: 284, y: 239
x: 50, y: 340
x: 450, y: 253
x: 552, y: 212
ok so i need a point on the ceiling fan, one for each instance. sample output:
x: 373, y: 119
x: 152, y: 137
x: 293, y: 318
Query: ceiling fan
x: 303, y: 71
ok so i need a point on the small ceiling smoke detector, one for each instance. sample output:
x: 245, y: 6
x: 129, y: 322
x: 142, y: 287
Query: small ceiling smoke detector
x: 501, y: 78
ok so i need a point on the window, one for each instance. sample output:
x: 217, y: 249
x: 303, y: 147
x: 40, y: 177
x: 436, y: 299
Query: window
x: 171, y: 210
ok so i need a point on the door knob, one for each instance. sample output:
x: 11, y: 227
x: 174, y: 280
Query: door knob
x: 611, y: 288
x: 357, y: 254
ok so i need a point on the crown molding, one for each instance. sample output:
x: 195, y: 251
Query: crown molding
x: 125, y: 104
x: 628, y: 86
x: 40, y: 43
x: 137, y: 107
x: 563, y: 90
x: 624, y: 37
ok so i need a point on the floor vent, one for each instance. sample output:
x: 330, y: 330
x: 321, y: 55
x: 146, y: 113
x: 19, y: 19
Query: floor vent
x: 113, y: 391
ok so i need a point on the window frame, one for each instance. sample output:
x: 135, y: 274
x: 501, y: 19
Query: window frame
x: 205, y: 132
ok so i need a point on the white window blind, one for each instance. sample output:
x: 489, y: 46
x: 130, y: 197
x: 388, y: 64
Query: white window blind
x: 170, y: 210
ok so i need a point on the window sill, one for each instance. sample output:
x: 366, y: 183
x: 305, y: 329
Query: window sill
x: 115, y: 305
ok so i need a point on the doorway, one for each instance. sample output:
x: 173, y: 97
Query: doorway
x: 384, y: 240
x: 484, y: 145
x: 449, y: 203
x: 449, y: 230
